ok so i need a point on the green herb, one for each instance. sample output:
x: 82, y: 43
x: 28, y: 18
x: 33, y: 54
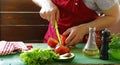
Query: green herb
x: 115, y: 42
x: 38, y: 56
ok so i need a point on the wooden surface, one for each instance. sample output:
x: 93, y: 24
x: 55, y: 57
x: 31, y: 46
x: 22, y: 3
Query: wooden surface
x: 18, y: 5
x: 20, y: 21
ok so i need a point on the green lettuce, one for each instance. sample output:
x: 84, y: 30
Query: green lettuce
x: 114, y: 47
x: 38, y: 56
x: 115, y: 42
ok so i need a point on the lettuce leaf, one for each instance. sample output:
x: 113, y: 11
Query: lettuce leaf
x: 115, y: 42
x: 38, y: 56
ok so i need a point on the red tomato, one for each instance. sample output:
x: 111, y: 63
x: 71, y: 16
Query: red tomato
x: 62, y: 49
x: 63, y: 38
x: 29, y: 47
x: 52, y: 42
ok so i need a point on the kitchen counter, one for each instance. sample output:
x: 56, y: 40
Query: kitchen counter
x: 79, y: 57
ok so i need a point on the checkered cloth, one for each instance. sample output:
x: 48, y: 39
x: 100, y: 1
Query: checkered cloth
x: 11, y: 47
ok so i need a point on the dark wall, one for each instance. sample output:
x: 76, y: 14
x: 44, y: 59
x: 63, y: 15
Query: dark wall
x: 20, y: 21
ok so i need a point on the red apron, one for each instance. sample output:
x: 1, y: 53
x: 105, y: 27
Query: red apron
x: 72, y: 13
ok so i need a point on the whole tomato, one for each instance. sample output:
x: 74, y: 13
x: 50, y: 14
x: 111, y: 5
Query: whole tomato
x: 52, y: 42
x: 60, y: 49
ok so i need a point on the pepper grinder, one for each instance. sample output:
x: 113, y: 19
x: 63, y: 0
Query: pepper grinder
x: 104, y: 47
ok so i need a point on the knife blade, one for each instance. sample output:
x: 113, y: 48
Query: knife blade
x: 57, y: 32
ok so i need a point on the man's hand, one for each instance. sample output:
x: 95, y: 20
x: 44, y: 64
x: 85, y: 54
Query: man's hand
x: 75, y: 35
x: 48, y: 11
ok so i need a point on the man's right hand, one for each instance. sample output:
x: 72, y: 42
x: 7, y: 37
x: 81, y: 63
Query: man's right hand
x: 50, y: 13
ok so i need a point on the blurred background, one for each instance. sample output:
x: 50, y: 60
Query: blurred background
x: 20, y: 21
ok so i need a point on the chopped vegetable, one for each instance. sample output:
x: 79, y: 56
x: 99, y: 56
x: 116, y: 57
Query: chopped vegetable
x: 52, y: 42
x: 29, y: 47
x: 38, y: 56
x: 115, y: 53
x: 114, y: 47
x: 60, y: 49
x: 115, y: 42
x: 63, y: 38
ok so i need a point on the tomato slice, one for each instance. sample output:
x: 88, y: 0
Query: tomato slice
x: 29, y: 47
x: 63, y: 38
x: 62, y: 49
x: 52, y: 42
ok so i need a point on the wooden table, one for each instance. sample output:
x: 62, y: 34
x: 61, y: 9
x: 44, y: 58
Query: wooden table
x: 79, y: 59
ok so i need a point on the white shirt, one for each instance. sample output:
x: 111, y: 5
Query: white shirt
x: 98, y: 5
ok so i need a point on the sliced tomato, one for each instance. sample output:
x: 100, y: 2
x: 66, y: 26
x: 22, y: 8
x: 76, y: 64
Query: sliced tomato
x: 62, y: 49
x: 63, y: 38
x: 29, y: 47
x: 52, y: 42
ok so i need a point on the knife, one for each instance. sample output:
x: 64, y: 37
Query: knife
x: 57, y: 32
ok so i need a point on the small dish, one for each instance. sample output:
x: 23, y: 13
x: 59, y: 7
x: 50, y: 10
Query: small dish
x: 67, y: 57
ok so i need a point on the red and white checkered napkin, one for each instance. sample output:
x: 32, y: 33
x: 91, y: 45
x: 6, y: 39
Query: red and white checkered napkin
x: 11, y: 47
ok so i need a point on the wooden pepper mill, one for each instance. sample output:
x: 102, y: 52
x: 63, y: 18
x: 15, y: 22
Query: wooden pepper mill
x: 104, y: 47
